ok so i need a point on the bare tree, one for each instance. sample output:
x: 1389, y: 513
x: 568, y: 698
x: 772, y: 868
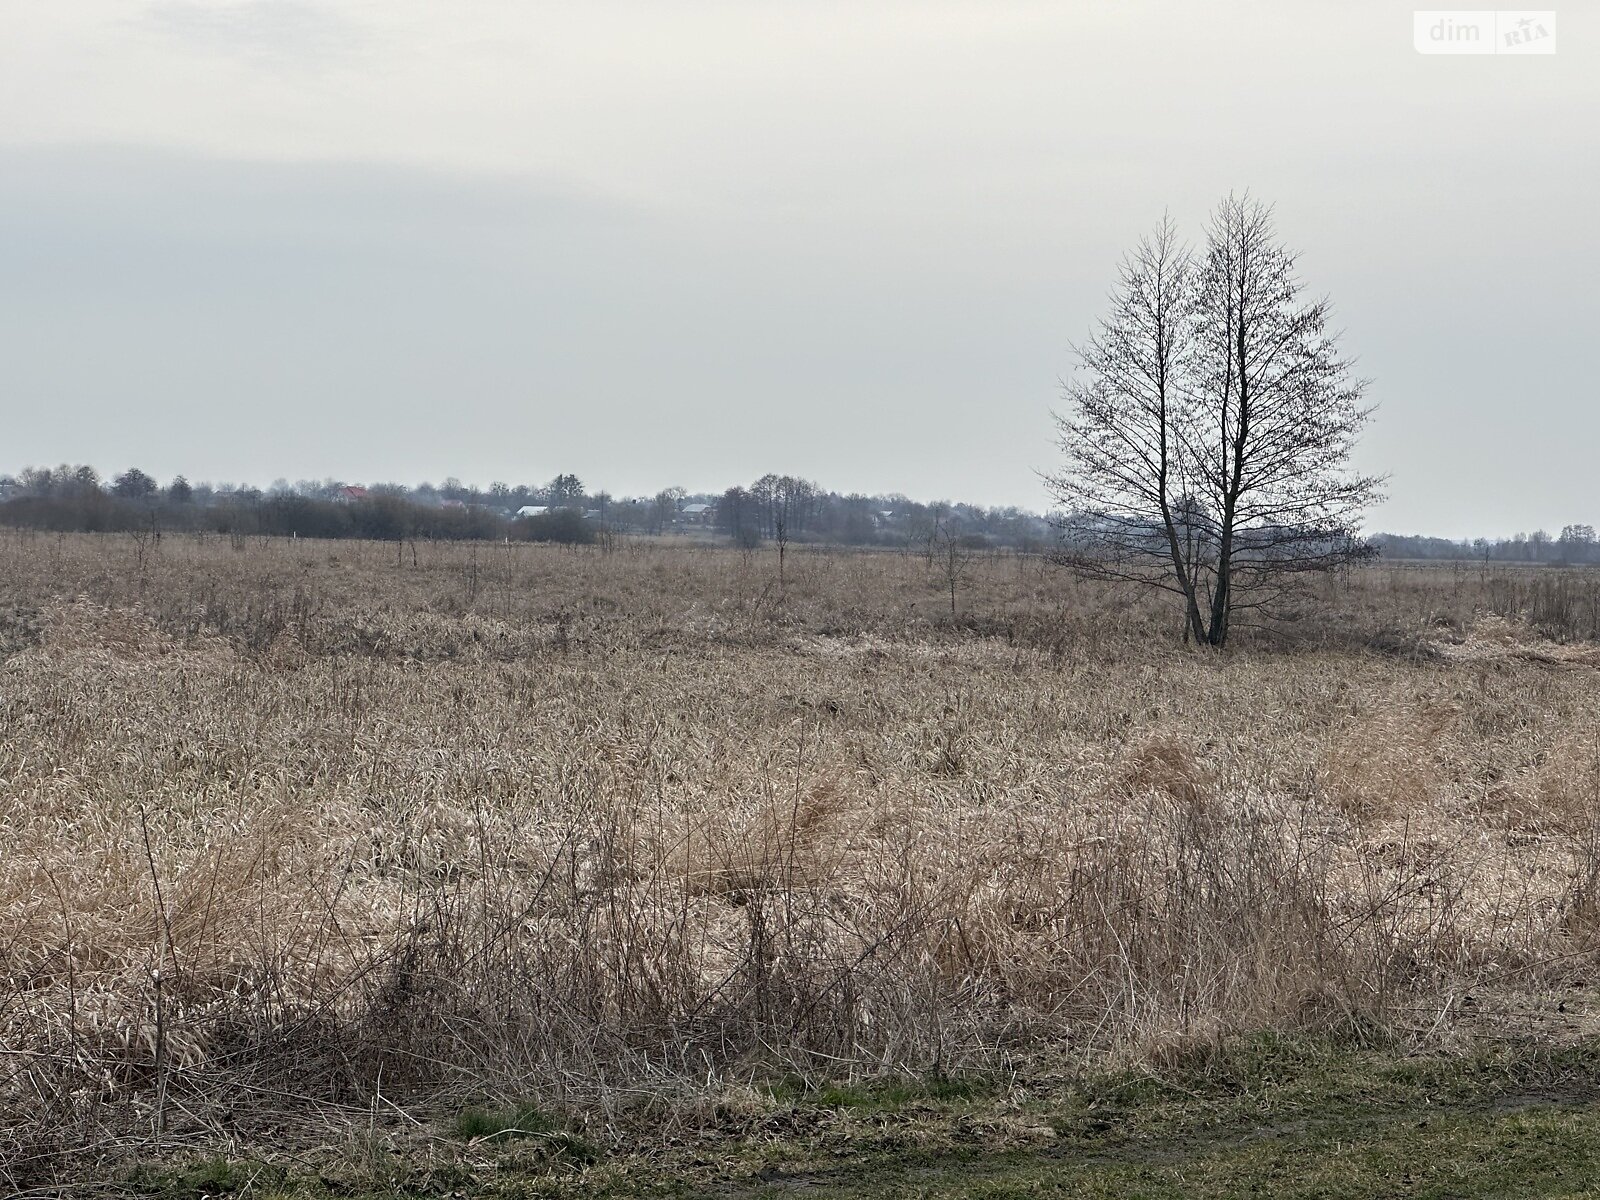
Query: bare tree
x: 954, y: 557
x: 145, y: 534
x: 664, y: 508
x: 1277, y: 409
x: 1126, y: 484
x: 786, y: 503
x: 1576, y: 543
x: 739, y: 518
x: 780, y: 534
x: 1208, y: 442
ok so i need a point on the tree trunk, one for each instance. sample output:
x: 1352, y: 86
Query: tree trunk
x: 1222, y: 598
x: 1194, y: 626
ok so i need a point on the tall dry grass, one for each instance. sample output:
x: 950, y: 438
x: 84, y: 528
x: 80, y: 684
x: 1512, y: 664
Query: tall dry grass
x: 288, y: 826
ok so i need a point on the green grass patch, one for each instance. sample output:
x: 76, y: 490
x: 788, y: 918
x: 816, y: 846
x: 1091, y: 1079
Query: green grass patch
x: 1251, y: 1117
x: 1264, y: 1116
x: 1538, y: 1152
x: 208, y: 1177
x: 880, y: 1095
x: 515, y: 1121
x: 552, y: 1146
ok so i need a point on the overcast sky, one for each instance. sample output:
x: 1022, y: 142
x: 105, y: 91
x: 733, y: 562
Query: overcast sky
x: 664, y: 243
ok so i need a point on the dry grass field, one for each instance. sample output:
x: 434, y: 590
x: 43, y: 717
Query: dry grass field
x: 303, y: 836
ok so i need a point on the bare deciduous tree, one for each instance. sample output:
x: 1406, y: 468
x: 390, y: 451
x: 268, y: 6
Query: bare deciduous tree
x: 1208, y: 436
x: 954, y: 559
x: 664, y: 509
x: 1126, y: 482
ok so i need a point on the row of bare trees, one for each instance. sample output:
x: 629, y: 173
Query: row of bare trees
x: 1208, y: 433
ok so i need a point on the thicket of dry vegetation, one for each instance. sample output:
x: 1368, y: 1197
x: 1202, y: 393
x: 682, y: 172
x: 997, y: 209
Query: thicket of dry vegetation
x: 289, y: 826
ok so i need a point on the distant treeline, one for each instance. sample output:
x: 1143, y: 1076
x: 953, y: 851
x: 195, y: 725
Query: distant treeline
x: 773, y: 508
x: 384, y: 518
x: 780, y: 508
x: 1574, y: 546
